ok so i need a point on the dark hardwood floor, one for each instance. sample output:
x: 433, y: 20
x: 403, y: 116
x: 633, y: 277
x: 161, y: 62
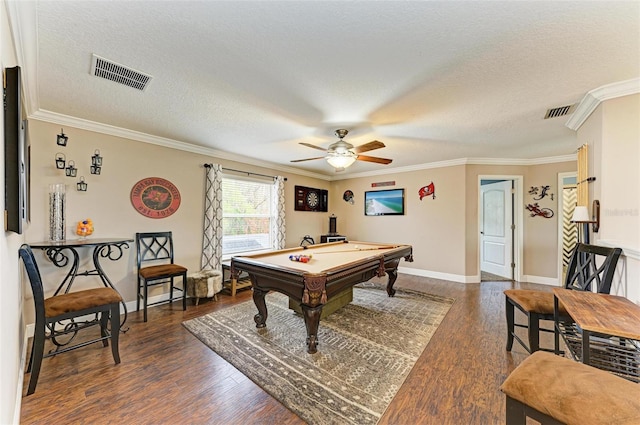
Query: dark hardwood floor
x: 167, y: 376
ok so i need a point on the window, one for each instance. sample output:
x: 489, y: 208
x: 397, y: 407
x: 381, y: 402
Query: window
x: 246, y: 217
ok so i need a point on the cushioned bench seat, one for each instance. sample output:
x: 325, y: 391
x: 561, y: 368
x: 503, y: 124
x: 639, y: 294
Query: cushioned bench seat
x: 563, y: 391
x: 204, y: 284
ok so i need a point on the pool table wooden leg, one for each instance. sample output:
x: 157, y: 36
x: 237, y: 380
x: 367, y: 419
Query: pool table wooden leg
x: 258, y: 299
x: 392, y: 271
x: 311, y: 321
x: 393, y: 275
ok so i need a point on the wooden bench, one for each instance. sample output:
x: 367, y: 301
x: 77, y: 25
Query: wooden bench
x: 233, y: 285
x: 555, y: 390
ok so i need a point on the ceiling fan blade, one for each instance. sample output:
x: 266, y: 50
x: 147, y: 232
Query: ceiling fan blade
x: 368, y: 146
x: 307, y: 159
x: 374, y: 159
x: 309, y: 145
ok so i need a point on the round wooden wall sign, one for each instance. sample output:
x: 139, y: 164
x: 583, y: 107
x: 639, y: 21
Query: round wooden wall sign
x: 154, y: 197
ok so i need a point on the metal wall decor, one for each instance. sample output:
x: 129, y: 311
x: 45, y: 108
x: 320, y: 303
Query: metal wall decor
x: 61, y: 139
x: 536, y: 210
x: 60, y: 161
x: 71, y: 170
x: 428, y: 190
x: 539, y: 193
x: 96, y: 162
x: 82, y: 185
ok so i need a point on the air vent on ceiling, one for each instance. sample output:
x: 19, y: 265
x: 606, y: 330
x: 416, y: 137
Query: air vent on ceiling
x: 104, y: 68
x: 559, y: 112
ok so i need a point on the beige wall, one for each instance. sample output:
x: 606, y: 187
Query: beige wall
x: 619, y: 192
x: 612, y: 132
x: 540, y: 235
x: 107, y: 200
x: 444, y: 231
x: 435, y: 227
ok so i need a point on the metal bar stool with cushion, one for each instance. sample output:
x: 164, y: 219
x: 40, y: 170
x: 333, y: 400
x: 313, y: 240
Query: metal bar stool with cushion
x: 156, y: 267
x: 590, y: 264
x: 67, y: 307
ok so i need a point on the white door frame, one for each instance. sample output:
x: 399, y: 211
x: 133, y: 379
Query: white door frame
x: 518, y: 219
x: 560, y: 200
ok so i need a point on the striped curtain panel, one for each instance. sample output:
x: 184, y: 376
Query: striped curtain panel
x: 212, y: 232
x: 277, y: 221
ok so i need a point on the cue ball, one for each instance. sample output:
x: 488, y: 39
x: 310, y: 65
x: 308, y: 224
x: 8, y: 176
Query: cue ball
x: 356, y: 246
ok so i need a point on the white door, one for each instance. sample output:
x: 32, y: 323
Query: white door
x: 496, y: 236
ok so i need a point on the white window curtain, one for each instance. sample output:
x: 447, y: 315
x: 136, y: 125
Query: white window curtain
x: 212, y: 232
x: 278, y: 228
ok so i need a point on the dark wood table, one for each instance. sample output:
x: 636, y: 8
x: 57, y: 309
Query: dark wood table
x: 607, y: 328
x: 333, y: 268
x: 60, y: 253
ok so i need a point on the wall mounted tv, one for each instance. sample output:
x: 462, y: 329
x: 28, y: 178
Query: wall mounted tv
x: 384, y: 202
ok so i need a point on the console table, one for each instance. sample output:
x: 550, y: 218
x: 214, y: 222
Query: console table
x: 605, y: 332
x: 60, y: 251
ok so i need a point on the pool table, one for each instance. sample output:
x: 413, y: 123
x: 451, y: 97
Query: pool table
x: 333, y: 268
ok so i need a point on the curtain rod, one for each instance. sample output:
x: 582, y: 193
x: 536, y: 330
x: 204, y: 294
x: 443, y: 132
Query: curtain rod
x: 248, y: 173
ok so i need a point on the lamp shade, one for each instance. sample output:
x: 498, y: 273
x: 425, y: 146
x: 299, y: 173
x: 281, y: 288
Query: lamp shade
x: 581, y: 215
x: 341, y: 161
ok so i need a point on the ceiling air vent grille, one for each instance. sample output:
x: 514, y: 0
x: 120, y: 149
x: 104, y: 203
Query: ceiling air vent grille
x: 104, y: 68
x: 559, y: 112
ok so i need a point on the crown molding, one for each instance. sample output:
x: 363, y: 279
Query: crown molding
x: 66, y: 120
x: 596, y: 96
x: 461, y: 161
x: 23, y: 26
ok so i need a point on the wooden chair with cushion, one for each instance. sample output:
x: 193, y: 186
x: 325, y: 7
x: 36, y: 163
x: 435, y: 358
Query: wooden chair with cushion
x: 589, y: 265
x: 68, y: 307
x: 156, y: 267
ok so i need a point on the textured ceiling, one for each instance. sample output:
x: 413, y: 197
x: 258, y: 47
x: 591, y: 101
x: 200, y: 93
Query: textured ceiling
x: 434, y: 81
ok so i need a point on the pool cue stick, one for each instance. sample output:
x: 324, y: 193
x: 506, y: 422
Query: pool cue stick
x: 358, y: 249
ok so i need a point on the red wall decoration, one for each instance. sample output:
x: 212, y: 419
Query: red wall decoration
x: 155, y: 197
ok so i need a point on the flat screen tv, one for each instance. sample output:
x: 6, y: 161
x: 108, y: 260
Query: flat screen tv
x: 384, y: 202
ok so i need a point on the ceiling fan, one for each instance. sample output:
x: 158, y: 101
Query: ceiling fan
x: 341, y: 154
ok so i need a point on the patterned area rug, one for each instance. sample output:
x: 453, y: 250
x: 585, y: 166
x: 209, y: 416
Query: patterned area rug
x: 366, y: 350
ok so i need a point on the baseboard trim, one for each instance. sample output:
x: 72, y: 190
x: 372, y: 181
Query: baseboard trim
x: 551, y: 281
x: 438, y: 275
x: 21, y: 372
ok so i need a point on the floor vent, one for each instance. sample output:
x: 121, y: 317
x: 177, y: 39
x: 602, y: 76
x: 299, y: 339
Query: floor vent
x: 559, y: 112
x: 104, y: 68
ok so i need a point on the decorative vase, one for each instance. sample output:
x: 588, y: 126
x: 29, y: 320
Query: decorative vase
x: 57, y: 203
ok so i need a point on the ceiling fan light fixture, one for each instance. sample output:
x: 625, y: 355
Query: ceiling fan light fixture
x: 341, y: 161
